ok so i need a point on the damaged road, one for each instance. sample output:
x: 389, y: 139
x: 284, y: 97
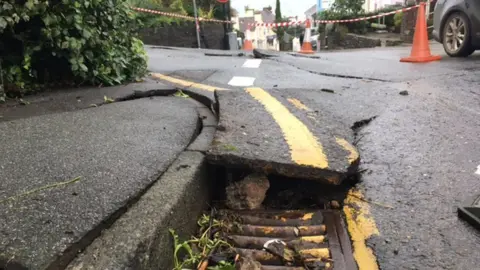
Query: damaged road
x: 415, y: 127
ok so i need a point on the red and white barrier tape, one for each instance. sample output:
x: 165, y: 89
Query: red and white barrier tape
x: 369, y: 17
x: 168, y: 14
x: 285, y: 24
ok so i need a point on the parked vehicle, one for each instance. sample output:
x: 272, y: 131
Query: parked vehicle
x: 456, y: 25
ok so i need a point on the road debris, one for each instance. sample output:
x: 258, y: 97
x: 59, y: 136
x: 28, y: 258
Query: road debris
x: 36, y: 190
x: 225, y: 54
x: 335, y: 204
x: 262, y: 54
x: 287, y: 240
x: 199, y: 249
x: 327, y: 90
x: 23, y: 102
x: 248, y: 193
x: 404, y: 93
x: 247, y: 263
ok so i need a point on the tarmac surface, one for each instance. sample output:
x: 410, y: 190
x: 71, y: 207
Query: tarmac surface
x: 65, y: 176
x: 247, y: 137
x: 416, y: 127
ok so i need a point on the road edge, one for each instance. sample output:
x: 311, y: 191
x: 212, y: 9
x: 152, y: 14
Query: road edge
x: 138, y: 237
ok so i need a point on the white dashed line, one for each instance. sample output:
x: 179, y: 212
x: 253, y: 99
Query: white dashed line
x: 241, y: 81
x: 252, y: 63
x: 478, y: 170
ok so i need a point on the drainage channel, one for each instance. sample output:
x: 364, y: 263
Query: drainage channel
x: 259, y: 222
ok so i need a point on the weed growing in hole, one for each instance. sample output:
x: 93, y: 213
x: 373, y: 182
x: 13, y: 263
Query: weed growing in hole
x: 108, y: 100
x: 180, y: 93
x: 229, y: 147
x: 198, y: 249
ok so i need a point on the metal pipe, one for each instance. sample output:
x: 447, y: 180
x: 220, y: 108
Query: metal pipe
x: 197, y: 26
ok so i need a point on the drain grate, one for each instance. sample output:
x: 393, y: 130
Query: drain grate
x: 292, y: 239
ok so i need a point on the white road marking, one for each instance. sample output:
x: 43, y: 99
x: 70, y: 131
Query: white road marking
x: 252, y: 63
x: 241, y: 81
x: 478, y: 170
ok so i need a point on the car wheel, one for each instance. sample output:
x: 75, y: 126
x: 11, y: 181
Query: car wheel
x: 456, y: 36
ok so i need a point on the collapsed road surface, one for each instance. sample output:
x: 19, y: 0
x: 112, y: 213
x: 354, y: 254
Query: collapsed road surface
x: 73, y: 174
x: 415, y: 126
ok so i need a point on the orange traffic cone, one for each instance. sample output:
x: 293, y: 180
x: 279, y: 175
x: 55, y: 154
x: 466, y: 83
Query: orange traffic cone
x: 247, y: 43
x: 307, y: 44
x: 420, y: 49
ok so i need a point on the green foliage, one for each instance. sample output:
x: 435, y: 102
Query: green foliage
x: 205, y: 8
x: 348, y: 7
x: 222, y: 266
x: 63, y: 41
x: 280, y: 31
x: 199, y: 248
x: 397, y: 20
x: 341, y: 12
x: 278, y: 12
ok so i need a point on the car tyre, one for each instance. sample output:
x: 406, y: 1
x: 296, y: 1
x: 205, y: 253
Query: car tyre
x: 456, y: 36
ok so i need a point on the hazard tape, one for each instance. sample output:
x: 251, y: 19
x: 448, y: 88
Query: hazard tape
x: 285, y: 24
x: 175, y: 15
x: 369, y: 17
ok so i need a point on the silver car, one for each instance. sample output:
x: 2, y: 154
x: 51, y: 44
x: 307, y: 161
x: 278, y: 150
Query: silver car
x: 456, y: 25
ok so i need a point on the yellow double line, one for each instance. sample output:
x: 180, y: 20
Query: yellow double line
x: 306, y: 149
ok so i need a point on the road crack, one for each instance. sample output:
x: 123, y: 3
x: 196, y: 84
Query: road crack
x: 332, y: 74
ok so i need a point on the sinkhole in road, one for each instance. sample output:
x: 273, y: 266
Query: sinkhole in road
x: 274, y: 222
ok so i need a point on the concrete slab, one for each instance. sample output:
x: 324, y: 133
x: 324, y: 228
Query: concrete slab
x: 140, y: 239
x: 207, y: 117
x: 203, y: 141
x: 261, y: 130
x: 117, y: 150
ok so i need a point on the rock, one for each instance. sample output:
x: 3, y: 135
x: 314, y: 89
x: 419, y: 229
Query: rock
x: 395, y: 251
x: 335, y: 205
x: 247, y: 263
x: 248, y: 193
x: 404, y: 93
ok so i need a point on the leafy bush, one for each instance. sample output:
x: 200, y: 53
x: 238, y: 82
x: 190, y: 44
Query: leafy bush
x: 63, y: 41
x: 397, y: 21
x: 359, y: 27
x: 205, y: 8
x: 356, y: 27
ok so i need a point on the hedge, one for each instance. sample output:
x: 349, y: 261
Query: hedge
x: 68, y: 42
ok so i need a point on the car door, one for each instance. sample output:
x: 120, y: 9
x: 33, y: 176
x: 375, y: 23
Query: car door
x: 473, y: 12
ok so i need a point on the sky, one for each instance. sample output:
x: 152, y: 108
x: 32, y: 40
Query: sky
x: 288, y: 7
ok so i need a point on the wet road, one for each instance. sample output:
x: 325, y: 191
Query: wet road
x: 420, y: 153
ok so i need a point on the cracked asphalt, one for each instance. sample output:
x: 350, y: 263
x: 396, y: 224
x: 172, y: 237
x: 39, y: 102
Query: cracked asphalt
x: 418, y: 156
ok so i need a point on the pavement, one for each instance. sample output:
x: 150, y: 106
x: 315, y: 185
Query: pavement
x: 67, y: 175
x: 415, y: 127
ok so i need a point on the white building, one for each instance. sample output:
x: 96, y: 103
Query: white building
x: 373, y: 5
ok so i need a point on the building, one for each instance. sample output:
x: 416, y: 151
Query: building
x: 263, y: 37
x: 374, y: 5
x: 323, y: 4
x: 314, y: 10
